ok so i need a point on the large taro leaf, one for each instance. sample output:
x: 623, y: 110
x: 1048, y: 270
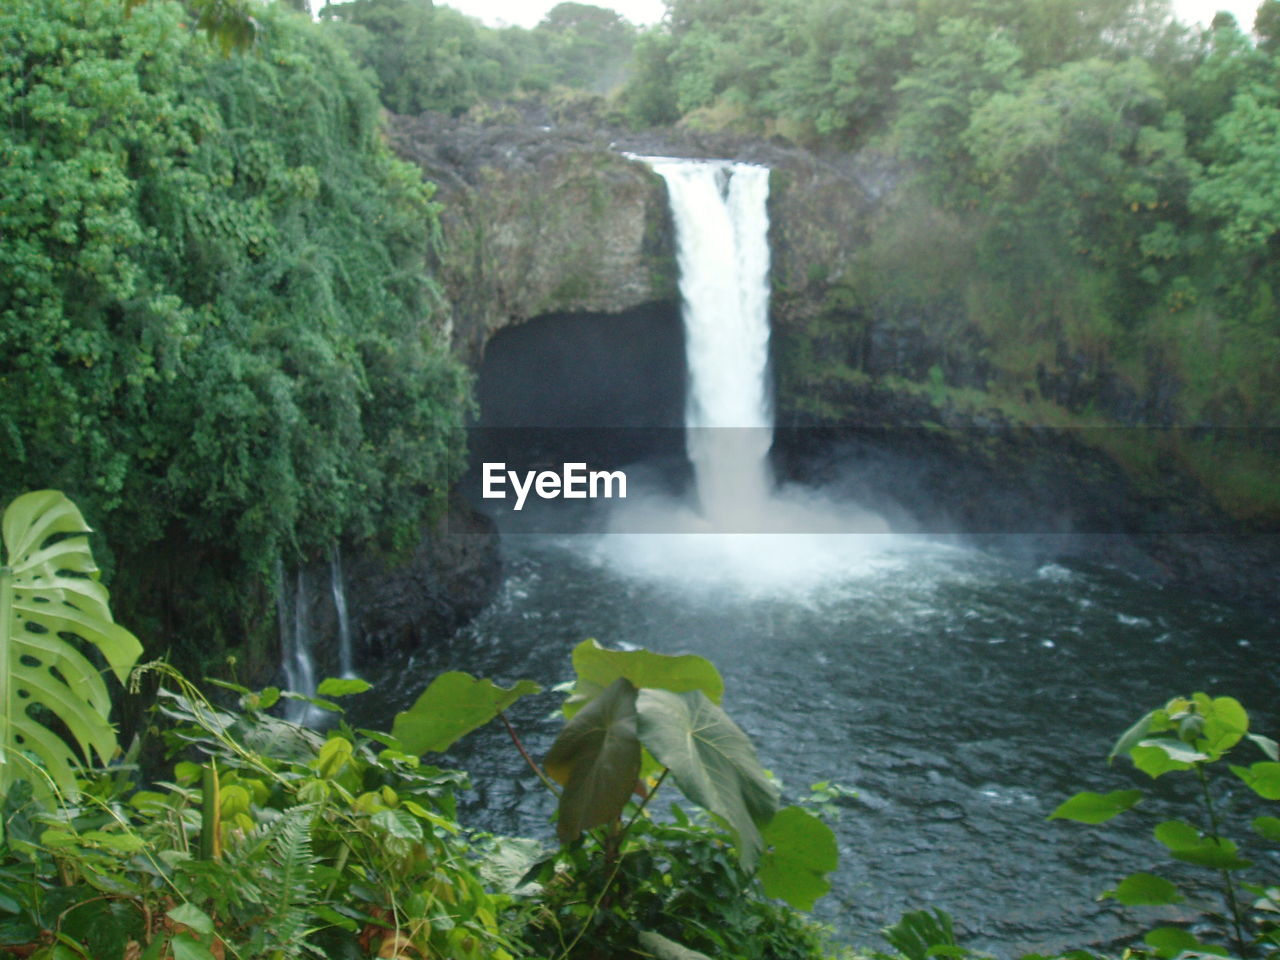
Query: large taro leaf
x: 49, y: 592
x: 802, y: 850
x: 597, y: 667
x: 712, y: 761
x: 597, y: 759
x: 453, y: 705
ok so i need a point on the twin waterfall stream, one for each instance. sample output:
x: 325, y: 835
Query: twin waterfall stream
x: 722, y: 234
x: 961, y: 693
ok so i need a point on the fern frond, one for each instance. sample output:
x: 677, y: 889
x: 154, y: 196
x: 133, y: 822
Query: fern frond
x: 291, y: 865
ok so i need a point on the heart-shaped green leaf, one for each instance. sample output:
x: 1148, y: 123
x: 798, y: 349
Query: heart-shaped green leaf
x: 597, y: 667
x: 1090, y: 807
x: 712, y: 761
x: 452, y: 706
x: 597, y: 758
x: 1145, y: 889
x: 1185, y: 843
x: 1263, y: 778
x: 801, y: 851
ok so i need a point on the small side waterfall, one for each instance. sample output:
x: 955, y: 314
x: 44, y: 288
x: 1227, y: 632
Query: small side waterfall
x: 345, y: 662
x: 295, y: 641
x: 311, y: 609
x: 722, y: 228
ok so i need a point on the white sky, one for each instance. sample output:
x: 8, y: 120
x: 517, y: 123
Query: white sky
x: 527, y: 13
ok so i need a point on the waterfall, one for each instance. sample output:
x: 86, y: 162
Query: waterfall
x: 722, y: 227
x: 743, y: 530
x: 295, y: 642
x: 345, y: 664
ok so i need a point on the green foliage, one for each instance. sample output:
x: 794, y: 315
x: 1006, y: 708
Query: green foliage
x: 919, y: 935
x: 217, y: 332
x: 1241, y: 188
x: 596, y: 667
x: 1188, y: 735
x: 677, y: 878
x: 801, y: 852
x: 432, y: 57
x: 452, y: 706
x: 713, y: 763
x: 596, y: 758
x: 49, y: 592
x: 270, y: 840
x: 324, y: 846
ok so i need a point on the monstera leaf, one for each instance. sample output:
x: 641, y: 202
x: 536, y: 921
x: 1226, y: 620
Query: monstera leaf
x: 49, y: 592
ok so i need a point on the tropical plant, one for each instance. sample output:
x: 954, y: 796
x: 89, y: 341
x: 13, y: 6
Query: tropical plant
x: 270, y: 841
x: 634, y: 719
x: 1190, y: 735
x: 49, y: 594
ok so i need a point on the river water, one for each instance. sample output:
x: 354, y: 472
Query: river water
x: 961, y: 694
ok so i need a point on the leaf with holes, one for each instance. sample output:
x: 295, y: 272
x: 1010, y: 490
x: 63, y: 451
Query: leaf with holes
x: 712, y: 761
x: 49, y: 591
x: 597, y: 758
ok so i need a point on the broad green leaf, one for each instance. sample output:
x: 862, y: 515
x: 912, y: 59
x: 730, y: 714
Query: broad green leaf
x: 1130, y: 738
x: 1225, y: 724
x: 1186, y: 844
x: 452, y: 706
x: 1155, y: 762
x: 1176, y: 750
x: 1145, y: 889
x: 663, y: 949
x: 597, y: 667
x: 398, y: 824
x: 1172, y: 942
x: 342, y: 686
x: 186, y: 947
x: 800, y: 851
x: 712, y: 761
x: 1266, y: 745
x: 49, y: 590
x: 334, y: 755
x: 1268, y: 827
x: 193, y: 917
x: 597, y: 759
x: 119, y: 842
x: 1178, y: 835
x: 1090, y: 807
x: 1263, y: 778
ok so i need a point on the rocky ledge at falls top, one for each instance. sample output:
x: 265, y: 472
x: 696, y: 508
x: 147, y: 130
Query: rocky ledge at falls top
x: 543, y: 213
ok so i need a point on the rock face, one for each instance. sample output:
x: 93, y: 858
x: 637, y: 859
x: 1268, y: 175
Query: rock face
x: 539, y: 222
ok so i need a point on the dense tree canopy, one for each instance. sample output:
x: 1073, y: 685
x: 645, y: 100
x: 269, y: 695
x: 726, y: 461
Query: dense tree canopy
x: 216, y: 326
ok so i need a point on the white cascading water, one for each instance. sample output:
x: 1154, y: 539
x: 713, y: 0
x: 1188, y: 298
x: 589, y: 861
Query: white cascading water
x: 295, y: 643
x: 722, y: 228
x: 741, y: 530
x: 346, y: 663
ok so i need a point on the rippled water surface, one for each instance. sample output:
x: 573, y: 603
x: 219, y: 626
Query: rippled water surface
x: 961, y: 694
